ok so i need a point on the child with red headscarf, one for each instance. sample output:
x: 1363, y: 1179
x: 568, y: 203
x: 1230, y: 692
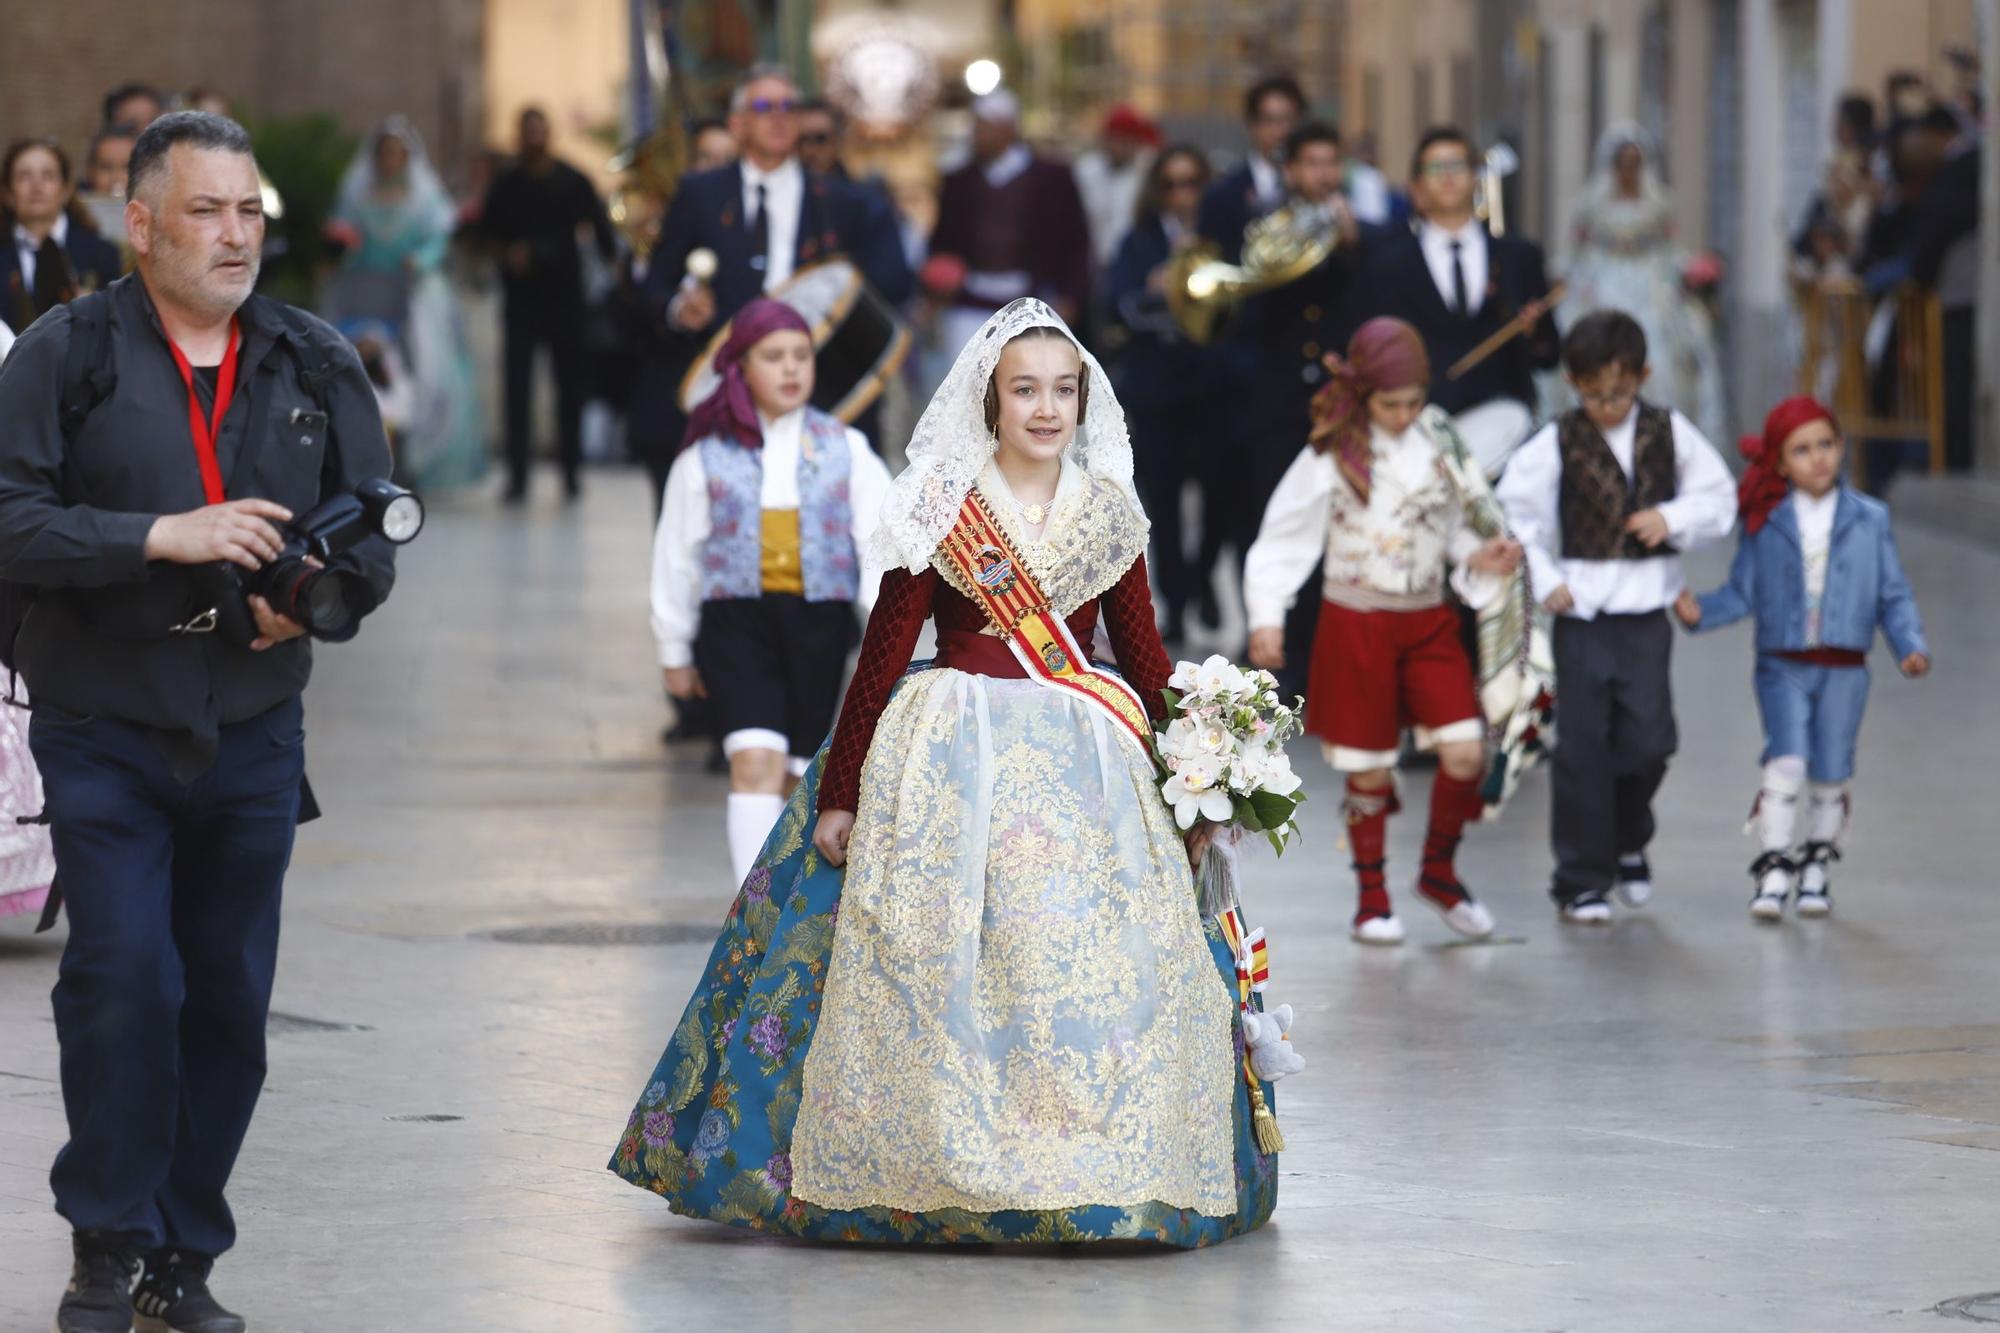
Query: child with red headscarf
x: 1383, y: 493
x: 1817, y: 569
x: 757, y: 564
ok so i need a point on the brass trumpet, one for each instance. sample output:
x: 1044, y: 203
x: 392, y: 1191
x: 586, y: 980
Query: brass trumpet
x: 1280, y: 247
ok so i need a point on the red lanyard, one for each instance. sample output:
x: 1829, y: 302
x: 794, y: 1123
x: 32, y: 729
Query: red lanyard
x: 204, y: 428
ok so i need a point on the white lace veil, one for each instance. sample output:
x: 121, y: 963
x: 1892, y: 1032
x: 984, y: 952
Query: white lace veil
x: 1603, y: 185
x: 952, y: 445
x: 425, y: 197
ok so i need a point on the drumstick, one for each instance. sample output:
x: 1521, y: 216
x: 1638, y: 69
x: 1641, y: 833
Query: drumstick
x: 1498, y: 340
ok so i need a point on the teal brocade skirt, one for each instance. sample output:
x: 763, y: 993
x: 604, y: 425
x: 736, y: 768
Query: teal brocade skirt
x: 712, y: 1131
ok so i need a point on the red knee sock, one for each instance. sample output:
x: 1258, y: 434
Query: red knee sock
x: 1454, y: 803
x: 1367, y: 811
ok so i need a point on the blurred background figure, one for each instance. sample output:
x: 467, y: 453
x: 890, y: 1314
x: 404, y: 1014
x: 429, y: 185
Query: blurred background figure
x: 1010, y: 224
x: 53, y: 252
x: 1624, y: 256
x: 394, y: 220
x: 104, y: 165
x: 1272, y: 109
x: 1110, y: 176
x: 710, y: 144
x: 538, y: 213
x: 133, y: 106
x: 1169, y: 388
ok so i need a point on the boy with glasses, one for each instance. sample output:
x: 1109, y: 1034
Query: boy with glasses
x: 1605, y: 499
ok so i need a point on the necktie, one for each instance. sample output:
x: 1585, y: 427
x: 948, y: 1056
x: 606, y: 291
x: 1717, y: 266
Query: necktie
x: 53, y: 284
x: 760, y: 232
x: 1460, y: 301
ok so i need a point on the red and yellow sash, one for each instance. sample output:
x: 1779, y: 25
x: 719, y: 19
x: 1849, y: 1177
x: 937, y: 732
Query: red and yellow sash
x: 979, y: 549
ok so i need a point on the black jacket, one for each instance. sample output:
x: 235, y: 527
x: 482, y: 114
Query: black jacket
x: 1393, y: 279
x: 835, y: 218
x: 74, y: 516
x: 94, y: 263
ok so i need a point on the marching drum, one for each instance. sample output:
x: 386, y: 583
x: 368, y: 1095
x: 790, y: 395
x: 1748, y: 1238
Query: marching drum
x: 858, y: 339
x: 1492, y: 432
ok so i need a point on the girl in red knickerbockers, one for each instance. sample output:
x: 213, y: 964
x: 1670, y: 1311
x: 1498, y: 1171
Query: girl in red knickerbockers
x: 1382, y: 493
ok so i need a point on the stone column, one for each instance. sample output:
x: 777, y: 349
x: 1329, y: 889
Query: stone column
x: 1688, y: 128
x: 1758, y: 273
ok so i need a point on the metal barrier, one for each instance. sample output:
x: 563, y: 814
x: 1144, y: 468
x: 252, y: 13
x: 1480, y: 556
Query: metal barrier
x: 1878, y: 361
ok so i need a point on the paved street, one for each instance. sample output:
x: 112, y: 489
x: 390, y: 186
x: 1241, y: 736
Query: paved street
x: 1684, y: 1122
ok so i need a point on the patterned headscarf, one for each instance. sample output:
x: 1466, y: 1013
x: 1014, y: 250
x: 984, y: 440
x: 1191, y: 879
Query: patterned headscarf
x: 1761, y: 488
x: 1385, y: 353
x: 730, y: 411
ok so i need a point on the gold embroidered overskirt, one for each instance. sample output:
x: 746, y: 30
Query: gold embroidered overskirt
x: 1021, y: 1010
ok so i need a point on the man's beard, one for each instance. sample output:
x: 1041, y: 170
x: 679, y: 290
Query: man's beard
x: 192, y: 279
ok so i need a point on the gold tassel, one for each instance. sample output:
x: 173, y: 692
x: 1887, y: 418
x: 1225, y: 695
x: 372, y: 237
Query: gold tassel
x: 1263, y: 1124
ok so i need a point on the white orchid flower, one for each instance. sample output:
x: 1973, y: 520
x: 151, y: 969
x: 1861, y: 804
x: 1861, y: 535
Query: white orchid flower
x: 1196, y: 792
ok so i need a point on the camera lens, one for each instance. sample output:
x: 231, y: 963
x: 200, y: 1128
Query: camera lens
x: 326, y: 608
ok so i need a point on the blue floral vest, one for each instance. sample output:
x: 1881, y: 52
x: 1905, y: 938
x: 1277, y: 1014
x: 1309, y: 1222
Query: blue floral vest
x: 732, y: 556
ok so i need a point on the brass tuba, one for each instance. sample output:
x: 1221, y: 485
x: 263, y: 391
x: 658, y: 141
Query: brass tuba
x: 1280, y: 247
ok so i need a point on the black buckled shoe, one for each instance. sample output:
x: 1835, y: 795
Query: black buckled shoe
x: 99, y: 1296
x: 173, y: 1297
x: 1815, y: 895
x: 1772, y: 873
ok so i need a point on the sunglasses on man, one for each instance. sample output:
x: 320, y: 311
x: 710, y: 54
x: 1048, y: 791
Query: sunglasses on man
x: 765, y: 106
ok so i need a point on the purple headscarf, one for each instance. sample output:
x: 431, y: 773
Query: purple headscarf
x: 730, y: 411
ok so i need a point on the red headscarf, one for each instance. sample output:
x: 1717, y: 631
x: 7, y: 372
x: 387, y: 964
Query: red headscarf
x: 1385, y: 353
x: 1761, y: 488
x: 730, y: 411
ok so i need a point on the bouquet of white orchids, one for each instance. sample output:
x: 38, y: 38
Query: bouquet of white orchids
x: 1223, y: 759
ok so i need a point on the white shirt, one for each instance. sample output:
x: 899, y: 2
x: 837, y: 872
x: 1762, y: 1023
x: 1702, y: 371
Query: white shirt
x: 784, y: 195
x: 1110, y: 196
x: 1703, y: 510
x: 1368, y: 194
x: 1389, y: 554
x: 1815, y: 518
x: 684, y: 526
x: 28, y: 248
x: 1267, y: 180
x: 1436, y: 243
x: 6, y: 339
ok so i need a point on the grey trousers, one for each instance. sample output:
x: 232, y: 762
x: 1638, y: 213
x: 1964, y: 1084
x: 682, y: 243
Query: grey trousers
x: 1614, y: 734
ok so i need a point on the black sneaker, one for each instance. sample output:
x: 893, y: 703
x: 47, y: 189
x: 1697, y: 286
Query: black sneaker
x: 99, y: 1296
x: 173, y: 1297
x: 1586, y: 909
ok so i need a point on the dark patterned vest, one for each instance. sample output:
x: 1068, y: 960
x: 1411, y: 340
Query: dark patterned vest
x: 1595, y: 498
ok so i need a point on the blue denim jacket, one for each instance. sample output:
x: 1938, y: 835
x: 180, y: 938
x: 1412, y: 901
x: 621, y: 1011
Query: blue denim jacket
x: 1865, y: 586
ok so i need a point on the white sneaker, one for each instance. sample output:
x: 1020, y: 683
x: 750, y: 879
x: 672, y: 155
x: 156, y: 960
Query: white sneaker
x: 1378, y: 930
x: 1635, y: 880
x: 1772, y: 872
x: 1812, y: 904
x: 1468, y: 916
x: 1587, y: 911
x: 1769, y: 907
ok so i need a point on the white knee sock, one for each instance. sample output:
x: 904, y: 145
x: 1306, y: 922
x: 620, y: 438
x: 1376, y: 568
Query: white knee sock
x: 751, y: 817
x: 1777, y: 815
x: 1826, y: 817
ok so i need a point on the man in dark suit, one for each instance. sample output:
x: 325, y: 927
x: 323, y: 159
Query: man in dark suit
x: 1272, y: 109
x: 1291, y: 329
x: 764, y: 216
x: 49, y: 251
x: 1459, y: 284
x: 535, y: 211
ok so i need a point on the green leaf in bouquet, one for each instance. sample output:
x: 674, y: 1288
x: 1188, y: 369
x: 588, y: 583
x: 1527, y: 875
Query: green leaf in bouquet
x: 1277, y: 840
x: 1273, y: 811
x: 1245, y: 813
x: 1173, y: 700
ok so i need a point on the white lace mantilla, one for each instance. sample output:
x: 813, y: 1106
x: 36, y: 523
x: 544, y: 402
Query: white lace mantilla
x: 952, y: 446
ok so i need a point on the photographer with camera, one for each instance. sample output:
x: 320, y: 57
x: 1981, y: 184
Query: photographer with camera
x: 161, y: 436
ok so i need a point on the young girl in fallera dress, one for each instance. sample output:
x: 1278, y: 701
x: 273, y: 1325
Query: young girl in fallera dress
x: 971, y: 999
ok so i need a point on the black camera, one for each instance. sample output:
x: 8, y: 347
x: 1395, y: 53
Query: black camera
x: 296, y: 582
